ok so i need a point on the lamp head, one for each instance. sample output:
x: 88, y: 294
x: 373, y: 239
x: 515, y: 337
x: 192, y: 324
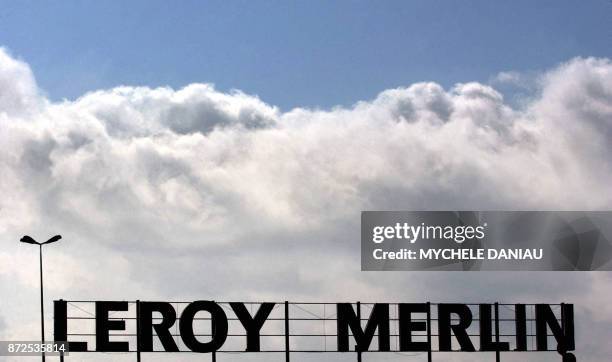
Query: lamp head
x: 28, y: 240
x: 52, y: 240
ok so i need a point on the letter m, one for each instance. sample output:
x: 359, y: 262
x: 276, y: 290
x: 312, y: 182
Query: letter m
x: 379, y: 319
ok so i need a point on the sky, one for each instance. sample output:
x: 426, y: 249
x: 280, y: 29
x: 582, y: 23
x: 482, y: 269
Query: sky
x: 307, y: 54
x: 170, y: 187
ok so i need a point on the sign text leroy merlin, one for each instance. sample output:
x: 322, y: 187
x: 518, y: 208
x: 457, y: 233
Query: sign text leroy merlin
x: 446, y: 327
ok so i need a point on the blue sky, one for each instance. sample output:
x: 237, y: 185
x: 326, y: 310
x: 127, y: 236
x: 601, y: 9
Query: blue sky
x: 307, y: 53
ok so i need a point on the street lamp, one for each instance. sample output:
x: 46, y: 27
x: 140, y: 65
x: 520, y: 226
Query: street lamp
x: 29, y: 240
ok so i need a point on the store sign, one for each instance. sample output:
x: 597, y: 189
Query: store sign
x: 204, y: 327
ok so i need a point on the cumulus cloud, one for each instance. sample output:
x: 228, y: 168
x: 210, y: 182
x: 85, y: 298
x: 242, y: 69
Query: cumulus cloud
x: 18, y: 90
x: 154, y: 189
x: 197, y: 108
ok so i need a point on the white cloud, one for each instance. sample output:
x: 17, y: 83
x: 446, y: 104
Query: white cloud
x: 18, y: 91
x: 155, y: 189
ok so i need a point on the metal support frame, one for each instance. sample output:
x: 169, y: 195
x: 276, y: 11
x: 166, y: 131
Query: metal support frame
x: 137, y: 330
x: 429, y: 341
x: 497, y: 351
x: 287, y: 346
x: 359, y: 319
x: 359, y: 352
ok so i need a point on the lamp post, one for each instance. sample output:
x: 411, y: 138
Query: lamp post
x: 29, y: 240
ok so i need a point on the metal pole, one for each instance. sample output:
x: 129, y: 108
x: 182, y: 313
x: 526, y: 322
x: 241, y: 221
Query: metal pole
x: 213, y: 328
x: 42, y: 307
x: 287, y: 346
x: 357, y: 347
x: 138, y: 330
x: 497, y: 351
x: 429, y: 356
x: 61, y: 356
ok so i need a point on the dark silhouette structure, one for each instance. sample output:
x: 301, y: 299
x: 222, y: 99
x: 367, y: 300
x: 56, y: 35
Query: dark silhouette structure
x: 374, y: 327
x: 28, y: 240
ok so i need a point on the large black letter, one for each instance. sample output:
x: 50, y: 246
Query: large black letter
x: 460, y: 329
x: 60, y: 327
x: 145, y: 333
x: 564, y: 334
x: 379, y: 318
x: 104, y: 325
x: 219, y: 334
x: 251, y: 325
x: 486, y: 332
x: 521, y: 327
x: 406, y: 326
